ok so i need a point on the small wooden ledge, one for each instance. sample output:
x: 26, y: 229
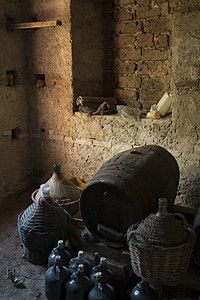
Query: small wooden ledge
x: 34, y: 25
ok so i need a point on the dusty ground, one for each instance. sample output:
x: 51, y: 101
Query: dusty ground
x: 11, y: 255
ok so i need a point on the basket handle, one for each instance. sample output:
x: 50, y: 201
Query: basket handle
x: 33, y: 195
x: 192, y: 233
x: 131, y: 231
x: 182, y: 218
x: 186, y: 226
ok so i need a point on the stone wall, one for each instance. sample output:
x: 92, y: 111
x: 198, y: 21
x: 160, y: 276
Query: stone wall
x: 49, y: 53
x: 186, y: 105
x: 14, y: 148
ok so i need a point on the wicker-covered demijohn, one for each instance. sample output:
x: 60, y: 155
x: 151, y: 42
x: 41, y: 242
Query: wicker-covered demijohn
x: 161, y: 247
x: 40, y: 227
x: 62, y: 191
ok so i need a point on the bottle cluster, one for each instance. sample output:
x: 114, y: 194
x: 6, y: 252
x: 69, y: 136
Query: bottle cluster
x: 77, y: 278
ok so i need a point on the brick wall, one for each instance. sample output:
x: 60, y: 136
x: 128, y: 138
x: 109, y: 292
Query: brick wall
x: 122, y: 49
x: 142, y: 50
x: 107, y: 30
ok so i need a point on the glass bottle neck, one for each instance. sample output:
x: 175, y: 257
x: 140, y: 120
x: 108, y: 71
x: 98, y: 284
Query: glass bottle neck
x: 80, y: 257
x: 162, y: 208
x: 99, y: 289
x: 57, y: 168
x: 80, y: 274
x: 60, y: 245
x: 103, y: 267
x: 57, y: 268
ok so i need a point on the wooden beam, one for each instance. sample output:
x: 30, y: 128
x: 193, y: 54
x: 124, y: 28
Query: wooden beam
x: 184, y: 210
x: 188, y: 212
x: 33, y: 25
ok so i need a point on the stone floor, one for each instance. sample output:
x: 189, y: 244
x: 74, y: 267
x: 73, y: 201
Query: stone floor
x: 30, y: 277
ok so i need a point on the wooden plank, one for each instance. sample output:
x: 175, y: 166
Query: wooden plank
x: 184, y: 210
x: 188, y: 212
x: 33, y: 25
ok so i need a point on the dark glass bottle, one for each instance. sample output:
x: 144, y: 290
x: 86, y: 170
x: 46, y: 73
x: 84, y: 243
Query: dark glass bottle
x: 144, y: 291
x: 101, y: 290
x: 96, y: 260
x: 106, y: 273
x: 59, y: 250
x: 55, y: 280
x: 78, y: 286
x: 80, y: 259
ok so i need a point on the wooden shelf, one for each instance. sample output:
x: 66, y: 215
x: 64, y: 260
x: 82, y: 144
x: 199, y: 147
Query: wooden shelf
x: 34, y: 25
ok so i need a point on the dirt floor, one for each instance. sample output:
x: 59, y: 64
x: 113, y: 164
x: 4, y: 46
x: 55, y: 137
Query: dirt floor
x: 31, y: 284
x: 31, y: 277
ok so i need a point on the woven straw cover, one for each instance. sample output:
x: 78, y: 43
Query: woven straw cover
x: 166, y: 231
x: 40, y: 227
x: 160, y: 249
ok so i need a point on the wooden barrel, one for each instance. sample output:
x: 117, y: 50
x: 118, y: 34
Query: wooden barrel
x: 126, y: 189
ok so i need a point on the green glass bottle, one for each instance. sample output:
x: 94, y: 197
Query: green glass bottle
x: 57, y: 168
x: 162, y: 208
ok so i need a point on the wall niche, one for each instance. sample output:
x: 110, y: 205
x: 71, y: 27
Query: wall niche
x: 92, y: 47
x: 122, y: 49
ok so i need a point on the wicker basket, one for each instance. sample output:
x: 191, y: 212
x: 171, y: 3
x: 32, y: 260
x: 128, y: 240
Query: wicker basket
x: 40, y: 227
x: 161, y: 262
x: 35, y: 257
x: 71, y: 206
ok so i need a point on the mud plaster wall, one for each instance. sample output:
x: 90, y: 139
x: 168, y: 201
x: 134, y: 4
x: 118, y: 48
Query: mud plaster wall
x: 14, y: 147
x: 83, y: 143
x: 186, y: 107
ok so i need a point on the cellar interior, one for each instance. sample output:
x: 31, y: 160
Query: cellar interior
x: 131, y: 52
